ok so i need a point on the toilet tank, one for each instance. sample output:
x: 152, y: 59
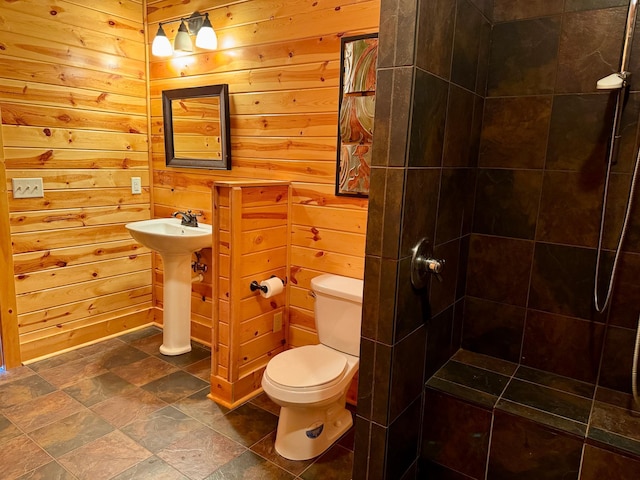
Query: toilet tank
x: 338, y: 312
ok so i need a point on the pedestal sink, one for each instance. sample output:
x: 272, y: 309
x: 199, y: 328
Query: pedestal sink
x: 175, y: 243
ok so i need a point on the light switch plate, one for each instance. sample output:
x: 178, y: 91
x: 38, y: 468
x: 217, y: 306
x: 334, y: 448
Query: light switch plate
x: 27, y: 187
x: 136, y: 185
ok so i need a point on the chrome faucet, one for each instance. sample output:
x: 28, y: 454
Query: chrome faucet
x: 189, y: 219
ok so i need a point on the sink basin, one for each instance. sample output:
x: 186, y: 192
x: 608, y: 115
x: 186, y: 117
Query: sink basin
x: 175, y: 243
x: 167, y: 237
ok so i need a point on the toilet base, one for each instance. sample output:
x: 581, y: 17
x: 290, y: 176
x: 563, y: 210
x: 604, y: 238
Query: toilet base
x: 305, y: 433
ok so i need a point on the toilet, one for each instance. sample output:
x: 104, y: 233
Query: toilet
x: 310, y: 383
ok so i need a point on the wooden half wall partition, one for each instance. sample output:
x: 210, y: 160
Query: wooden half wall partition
x: 251, y: 243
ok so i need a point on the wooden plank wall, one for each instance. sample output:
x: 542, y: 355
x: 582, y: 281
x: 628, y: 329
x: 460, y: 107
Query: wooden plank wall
x: 73, y: 103
x: 281, y: 60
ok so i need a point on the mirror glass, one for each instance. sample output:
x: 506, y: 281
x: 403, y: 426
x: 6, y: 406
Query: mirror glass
x: 196, y: 127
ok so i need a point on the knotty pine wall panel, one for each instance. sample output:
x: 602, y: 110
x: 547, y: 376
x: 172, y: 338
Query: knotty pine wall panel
x: 73, y: 105
x: 281, y: 60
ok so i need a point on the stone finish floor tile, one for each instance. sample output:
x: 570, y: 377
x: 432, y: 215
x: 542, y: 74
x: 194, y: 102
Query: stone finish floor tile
x: 42, y: 411
x: 175, y: 386
x: 144, y: 371
x: 71, y: 432
x: 153, y: 468
x: 97, y: 389
x: 335, y: 464
x: 20, y: 455
x: 50, y: 471
x: 120, y: 410
x: 104, y: 458
x: 250, y: 466
x: 201, y: 452
x: 102, y: 411
x: 25, y: 389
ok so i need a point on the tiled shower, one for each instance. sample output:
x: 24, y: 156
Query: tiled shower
x: 491, y: 141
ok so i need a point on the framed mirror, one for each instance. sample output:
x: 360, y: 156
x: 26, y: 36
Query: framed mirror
x: 196, y: 127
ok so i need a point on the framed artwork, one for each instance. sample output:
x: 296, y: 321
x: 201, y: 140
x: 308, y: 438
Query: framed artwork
x: 358, y: 61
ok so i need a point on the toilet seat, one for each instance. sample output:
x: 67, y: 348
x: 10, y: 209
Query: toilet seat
x: 307, y: 367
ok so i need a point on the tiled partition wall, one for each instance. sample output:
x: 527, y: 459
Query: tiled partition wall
x: 516, y: 215
x: 428, y: 113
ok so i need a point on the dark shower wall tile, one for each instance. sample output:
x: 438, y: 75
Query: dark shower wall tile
x: 442, y: 293
x: 629, y: 131
x: 498, y: 269
x: 617, y: 198
x: 400, y: 111
x: 397, y: 32
x: 626, y: 292
x: 365, y: 377
x: 570, y: 208
x: 455, y: 434
x: 524, y: 57
x: 435, y: 36
x: 617, y: 358
x: 589, y: 48
x: 580, y: 126
x: 506, y: 10
x: 382, y: 119
x: 413, y: 308
x: 420, y: 206
x: 562, y: 280
x: 428, y: 120
x: 507, y: 202
x: 407, y: 383
x: 528, y: 451
x: 514, y: 132
x: 459, y: 125
x: 392, y: 117
x: 563, y: 345
x: 493, y: 329
x: 439, y: 348
x: 375, y: 214
x: 381, y: 383
x: 469, y: 23
x: 403, y: 440
x: 476, y: 129
x: 393, y: 205
x: 455, y: 212
x: 554, y: 408
x: 386, y: 303
x: 615, y: 427
x: 576, y: 5
x: 599, y: 463
x: 484, y: 50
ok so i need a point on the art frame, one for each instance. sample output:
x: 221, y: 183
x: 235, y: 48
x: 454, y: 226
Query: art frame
x: 356, y: 108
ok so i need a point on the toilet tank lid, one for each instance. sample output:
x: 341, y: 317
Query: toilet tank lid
x: 338, y: 286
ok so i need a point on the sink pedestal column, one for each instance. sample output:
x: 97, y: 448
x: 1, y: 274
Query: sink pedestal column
x: 176, y: 336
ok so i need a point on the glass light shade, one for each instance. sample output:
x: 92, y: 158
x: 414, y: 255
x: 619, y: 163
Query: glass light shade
x: 182, y: 42
x: 161, y: 46
x: 206, y: 37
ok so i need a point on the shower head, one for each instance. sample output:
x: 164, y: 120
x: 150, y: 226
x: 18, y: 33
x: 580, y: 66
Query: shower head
x: 614, y: 81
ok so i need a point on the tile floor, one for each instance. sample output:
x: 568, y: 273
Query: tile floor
x: 120, y: 410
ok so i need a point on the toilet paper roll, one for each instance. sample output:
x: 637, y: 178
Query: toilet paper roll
x: 273, y: 285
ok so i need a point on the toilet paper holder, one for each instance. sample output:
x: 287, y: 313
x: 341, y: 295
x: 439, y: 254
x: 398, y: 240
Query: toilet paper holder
x: 255, y: 285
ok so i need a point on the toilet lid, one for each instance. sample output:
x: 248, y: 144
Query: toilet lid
x: 307, y: 366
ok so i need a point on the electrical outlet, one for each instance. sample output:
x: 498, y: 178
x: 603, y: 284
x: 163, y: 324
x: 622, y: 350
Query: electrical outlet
x: 136, y: 185
x: 27, y: 188
x: 277, y: 321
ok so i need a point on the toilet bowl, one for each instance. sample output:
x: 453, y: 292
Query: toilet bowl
x: 310, y: 383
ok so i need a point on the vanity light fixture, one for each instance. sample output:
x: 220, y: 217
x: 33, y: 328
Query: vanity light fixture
x: 197, y: 24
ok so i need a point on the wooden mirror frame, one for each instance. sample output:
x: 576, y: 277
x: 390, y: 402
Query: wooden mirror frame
x: 220, y: 91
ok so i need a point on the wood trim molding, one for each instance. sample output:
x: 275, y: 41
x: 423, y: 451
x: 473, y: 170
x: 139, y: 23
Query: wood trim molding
x: 8, y: 309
